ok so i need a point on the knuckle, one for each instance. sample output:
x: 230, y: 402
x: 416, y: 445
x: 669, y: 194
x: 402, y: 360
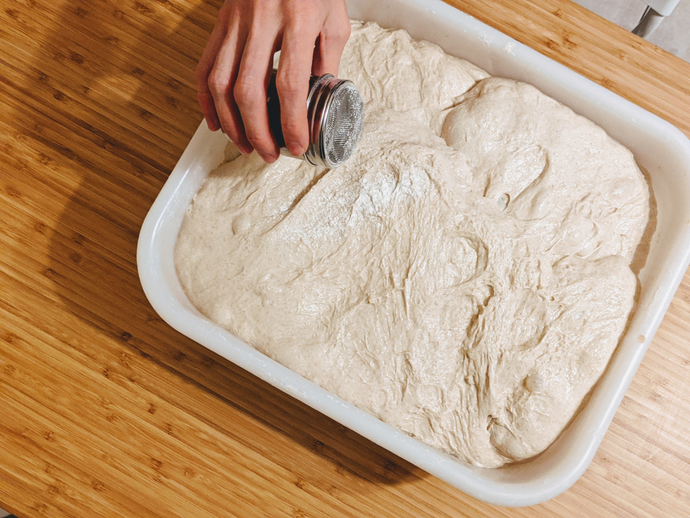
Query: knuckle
x: 217, y: 83
x: 246, y: 94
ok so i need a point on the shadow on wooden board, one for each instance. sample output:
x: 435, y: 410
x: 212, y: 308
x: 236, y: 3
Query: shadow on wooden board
x: 152, y: 408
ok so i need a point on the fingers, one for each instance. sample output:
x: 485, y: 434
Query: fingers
x: 234, y: 69
x: 203, y: 70
x: 221, y: 82
x: 331, y: 42
x: 292, y: 84
x: 250, y: 90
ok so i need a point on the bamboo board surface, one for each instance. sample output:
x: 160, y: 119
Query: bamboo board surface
x: 106, y: 411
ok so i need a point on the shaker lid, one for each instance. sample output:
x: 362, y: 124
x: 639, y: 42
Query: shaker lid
x: 336, y: 116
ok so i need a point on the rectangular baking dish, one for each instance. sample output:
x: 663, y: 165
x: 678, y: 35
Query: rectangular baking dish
x: 659, y: 148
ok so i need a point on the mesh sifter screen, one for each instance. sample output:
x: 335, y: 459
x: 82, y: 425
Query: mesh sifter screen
x: 343, y: 125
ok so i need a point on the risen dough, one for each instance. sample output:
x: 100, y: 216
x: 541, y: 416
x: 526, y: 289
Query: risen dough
x: 464, y: 276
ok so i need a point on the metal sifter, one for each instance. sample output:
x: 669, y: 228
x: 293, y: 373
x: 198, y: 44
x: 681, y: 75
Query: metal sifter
x: 335, y: 112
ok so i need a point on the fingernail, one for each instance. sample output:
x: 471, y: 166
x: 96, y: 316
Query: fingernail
x: 296, y: 148
x: 270, y: 158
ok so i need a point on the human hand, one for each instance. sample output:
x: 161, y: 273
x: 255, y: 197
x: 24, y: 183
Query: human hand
x: 234, y: 70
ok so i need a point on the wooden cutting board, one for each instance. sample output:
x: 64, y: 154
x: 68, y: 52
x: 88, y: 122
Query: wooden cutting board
x: 106, y: 411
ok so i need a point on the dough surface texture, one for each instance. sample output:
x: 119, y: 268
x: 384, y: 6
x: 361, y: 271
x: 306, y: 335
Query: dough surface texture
x: 464, y: 277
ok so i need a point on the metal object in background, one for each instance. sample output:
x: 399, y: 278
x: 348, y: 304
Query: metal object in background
x: 335, y: 111
x: 652, y: 17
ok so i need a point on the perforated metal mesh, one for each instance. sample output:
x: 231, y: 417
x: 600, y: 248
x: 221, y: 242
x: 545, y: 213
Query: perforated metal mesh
x: 343, y: 124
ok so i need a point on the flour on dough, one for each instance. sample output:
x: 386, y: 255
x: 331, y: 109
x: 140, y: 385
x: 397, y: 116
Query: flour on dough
x: 464, y: 276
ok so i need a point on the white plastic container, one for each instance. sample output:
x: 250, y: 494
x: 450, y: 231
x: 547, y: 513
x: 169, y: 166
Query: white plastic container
x: 658, y: 147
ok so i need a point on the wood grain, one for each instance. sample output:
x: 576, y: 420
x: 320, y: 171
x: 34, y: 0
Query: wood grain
x: 106, y: 411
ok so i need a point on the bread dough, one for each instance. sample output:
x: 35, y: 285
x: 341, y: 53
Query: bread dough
x: 464, y: 276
